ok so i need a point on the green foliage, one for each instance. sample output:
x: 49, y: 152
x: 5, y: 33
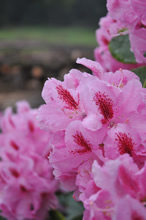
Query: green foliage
x: 73, y: 210
x: 141, y: 72
x: 80, y: 217
x: 120, y: 49
x: 2, y: 218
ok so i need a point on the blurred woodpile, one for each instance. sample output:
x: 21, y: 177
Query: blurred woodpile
x: 25, y: 66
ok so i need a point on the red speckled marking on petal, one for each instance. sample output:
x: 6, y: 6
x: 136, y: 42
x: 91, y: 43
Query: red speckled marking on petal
x: 14, y: 145
x: 81, y: 141
x: 11, y: 122
x: 125, y: 143
x: 31, y: 126
x: 23, y: 188
x: 136, y: 216
x: 105, y: 106
x: 127, y: 180
x: 14, y: 173
x: 65, y: 95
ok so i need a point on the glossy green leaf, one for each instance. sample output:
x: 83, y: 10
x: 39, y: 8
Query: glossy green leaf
x: 120, y: 49
x: 73, y: 209
x: 80, y: 217
x: 141, y: 72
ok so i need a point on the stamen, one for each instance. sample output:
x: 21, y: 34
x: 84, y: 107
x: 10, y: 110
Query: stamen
x: 120, y: 83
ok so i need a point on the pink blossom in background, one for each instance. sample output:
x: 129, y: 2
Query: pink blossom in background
x: 122, y: 11
x: 27, y: 185
x: 139, y: 7
x: 104, y: 57
x: 131, y: 14
x: 138, y: 45
x: 109, y: 28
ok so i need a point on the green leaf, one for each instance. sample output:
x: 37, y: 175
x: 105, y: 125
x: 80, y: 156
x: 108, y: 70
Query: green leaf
x: 80, y: 217
x: 2, y: 218
x: 73, y: 209
x: 120, y: 49
x: 144, y: 84
x: 141, y: 72
x: 56, y: 215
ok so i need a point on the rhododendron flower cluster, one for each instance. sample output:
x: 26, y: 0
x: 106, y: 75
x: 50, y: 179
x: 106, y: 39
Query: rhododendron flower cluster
x: 119, y: 193
x: 89, y: 136
x: 124, y: 17
x: 109, y: 28
x: 102, y: 118
x: 27, y: 185
x: 131, y: 15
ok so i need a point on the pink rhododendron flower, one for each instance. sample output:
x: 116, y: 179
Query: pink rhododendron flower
x: 104, y: 57
x: 94, y: 66
x: 138, y: 45
x: 78, y: 148
x: 110, y: 28
x: 27, y: 185
x: 129, y: 208
x: 63, y: 100
x: 94, y: 117
x: 122, y: 11
x: 131, y: 14
x: 120, y: 191
x: 140, y: 9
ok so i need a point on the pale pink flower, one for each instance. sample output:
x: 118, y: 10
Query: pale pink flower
x: 120, y: 191
x: 86, y: 112
x: 109, y: 28
x: 69, y: 159
x: 27, y: 185
x: 109, y: 63
x: 123, y: 176
x: 129, y: 209
x: 122, y: 11
x: 63, y: 102
x: 139, y: 7
x: 138, y: 45
x: 131, y: 14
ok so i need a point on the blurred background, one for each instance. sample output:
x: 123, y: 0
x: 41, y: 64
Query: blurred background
x: 41, y: 39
